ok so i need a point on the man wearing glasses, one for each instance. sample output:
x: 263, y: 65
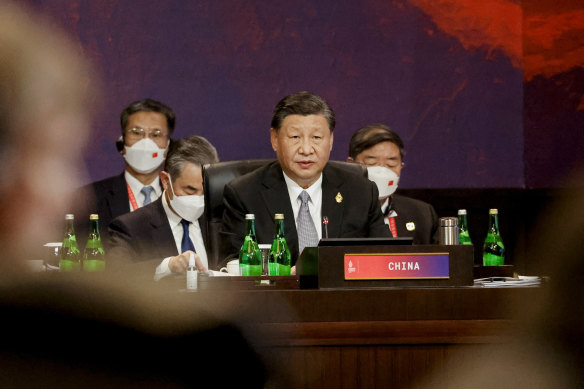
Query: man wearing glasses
x: 382, y: 151
x: 147, y: 126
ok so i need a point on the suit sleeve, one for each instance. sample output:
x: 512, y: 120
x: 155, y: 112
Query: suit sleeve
x: 377, y: 228
x: 233, y: 224
x: 121, y: 251
x: 434, y: 227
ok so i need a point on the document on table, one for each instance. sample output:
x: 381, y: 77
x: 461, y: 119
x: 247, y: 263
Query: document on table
x: 214, y: 273
x: 508, y: 282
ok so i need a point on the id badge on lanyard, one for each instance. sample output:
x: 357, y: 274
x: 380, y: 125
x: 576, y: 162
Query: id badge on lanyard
x: 392, y: 227
x: 132, y: 198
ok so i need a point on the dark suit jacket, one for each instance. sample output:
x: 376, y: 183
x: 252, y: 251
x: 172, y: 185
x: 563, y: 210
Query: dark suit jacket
x: 144, y: 235
x: 109, y: 199
x: 263, y: 192
x: 421, y: 214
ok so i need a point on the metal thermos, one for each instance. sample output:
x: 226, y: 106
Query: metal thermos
x: 448, y: 230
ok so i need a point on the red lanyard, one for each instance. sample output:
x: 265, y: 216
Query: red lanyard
x: 392, y: 226
x: 132, y: 198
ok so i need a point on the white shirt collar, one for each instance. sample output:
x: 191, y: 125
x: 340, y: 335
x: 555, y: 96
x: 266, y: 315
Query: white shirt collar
x: 384, y: 206
x: 137, y: 186
x: 294, y: 189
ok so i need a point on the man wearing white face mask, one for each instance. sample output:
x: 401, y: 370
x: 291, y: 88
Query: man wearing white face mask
x: 147, y: 126
x: 382, y: 150
x: 169, y: 229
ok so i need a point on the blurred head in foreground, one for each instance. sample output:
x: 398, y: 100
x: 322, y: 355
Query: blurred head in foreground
x: 545, y: 350
x: 43, y: 130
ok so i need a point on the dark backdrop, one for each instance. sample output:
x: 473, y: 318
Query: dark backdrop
x: 486, y: 95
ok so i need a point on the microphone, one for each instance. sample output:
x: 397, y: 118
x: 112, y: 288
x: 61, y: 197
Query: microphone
x: 325, y: 222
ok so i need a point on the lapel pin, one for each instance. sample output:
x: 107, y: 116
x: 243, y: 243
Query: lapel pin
x: 339, y: 198
x: 410, y: 226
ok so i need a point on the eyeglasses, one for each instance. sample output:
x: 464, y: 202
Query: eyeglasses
x: 136, y: 133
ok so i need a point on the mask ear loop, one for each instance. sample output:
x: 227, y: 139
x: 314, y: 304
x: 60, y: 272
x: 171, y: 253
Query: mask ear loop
x: 171, y: 188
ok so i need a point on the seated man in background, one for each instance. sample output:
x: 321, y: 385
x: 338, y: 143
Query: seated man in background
x: 382, y: 150
x: 301, y: 185
x: 147, y: 126
x: 173, y: 226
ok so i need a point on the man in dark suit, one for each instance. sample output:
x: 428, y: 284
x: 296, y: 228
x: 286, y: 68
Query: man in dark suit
x: 169, y: 229
x: 147, y: 126
x: 302, y: 185
x: 382, y: 151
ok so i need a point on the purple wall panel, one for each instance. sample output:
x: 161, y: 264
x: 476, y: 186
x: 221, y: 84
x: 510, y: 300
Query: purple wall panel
x: 223, y: 65
x: 554, y: 121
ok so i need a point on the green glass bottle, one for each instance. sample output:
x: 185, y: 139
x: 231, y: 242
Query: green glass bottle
x: 463, y: 236
x: 69, y: 256
x: 493, y: 249
x: 94, y: 256
x: 250, y: 257
x: 279, y: 259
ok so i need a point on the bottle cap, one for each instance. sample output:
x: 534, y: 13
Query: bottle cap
x: 462, y: 211
x: 279, y: 216
x: 249, y: 216
x: 94, y: 216
x: 192, y: 260
x: 448, y: 222
x: 493, y: 211
x: 69, y: 216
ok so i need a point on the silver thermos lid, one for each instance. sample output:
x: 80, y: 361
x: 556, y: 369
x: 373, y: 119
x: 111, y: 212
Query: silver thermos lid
x: 448, y: 230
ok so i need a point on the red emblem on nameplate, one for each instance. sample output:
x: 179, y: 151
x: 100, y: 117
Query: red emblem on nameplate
x: 396, y: 266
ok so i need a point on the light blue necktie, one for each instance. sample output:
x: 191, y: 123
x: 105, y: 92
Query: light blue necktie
x: 146, y: 192
x: 307, y: 235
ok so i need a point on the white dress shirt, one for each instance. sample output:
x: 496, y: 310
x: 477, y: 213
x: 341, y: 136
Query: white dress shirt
x: 314, y: 204
x: 392, y: 213
x: 176, y: 227
x: 137, y: 186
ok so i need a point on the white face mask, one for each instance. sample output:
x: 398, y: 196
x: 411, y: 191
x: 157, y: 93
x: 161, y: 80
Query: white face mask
x: 385, y: 179
x: 189, y: 207
x: 144, y: 156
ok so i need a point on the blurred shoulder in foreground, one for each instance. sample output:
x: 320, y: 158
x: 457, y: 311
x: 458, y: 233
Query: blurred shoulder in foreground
x: 546, y: 350
x: 82, y: 330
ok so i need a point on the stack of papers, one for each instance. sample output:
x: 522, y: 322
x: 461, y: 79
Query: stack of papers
x: 214, y: 273
x: 508, y: 282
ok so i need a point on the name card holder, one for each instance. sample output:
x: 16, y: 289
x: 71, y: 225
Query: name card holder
x: 386, y: 266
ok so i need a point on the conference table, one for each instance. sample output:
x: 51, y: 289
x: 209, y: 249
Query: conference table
x: 368, y: 337
x: 373, y: 335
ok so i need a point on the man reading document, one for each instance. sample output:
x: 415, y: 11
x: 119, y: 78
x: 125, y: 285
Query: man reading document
x: 169, y: 229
